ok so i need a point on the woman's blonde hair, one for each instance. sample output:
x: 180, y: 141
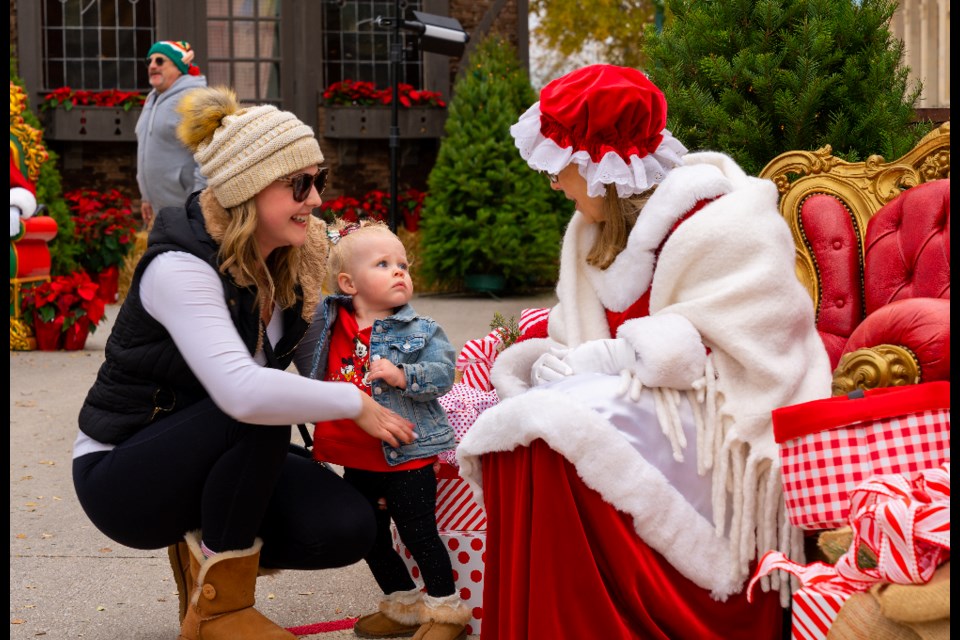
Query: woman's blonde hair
x: 619, y: 216
x: 344, y: 237
x: 276, y: 277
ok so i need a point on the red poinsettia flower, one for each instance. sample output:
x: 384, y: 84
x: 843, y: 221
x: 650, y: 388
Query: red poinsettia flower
x: 105, y: 224
x: 64, y: 300
x: 68, y: 98
x: 362, y: 93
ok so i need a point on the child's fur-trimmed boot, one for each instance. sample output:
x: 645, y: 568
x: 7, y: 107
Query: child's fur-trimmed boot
x: 399, y: 617
x: 221, y: 601
x: 443, y: 618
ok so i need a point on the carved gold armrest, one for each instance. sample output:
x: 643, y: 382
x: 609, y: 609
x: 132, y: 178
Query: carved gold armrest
x: 885, y: 365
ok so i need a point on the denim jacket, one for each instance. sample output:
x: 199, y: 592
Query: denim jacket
x: 418, y: 346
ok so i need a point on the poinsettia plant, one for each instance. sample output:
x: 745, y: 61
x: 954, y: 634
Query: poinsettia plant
x: 67, y: 98
x: 375, y: 205
x: 104, y: 224
x: 358, y: 93
x: 64, y: 300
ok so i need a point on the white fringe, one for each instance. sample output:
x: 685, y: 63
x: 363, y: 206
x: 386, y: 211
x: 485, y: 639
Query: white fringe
x: 667, y: 403
x: 753, y: 487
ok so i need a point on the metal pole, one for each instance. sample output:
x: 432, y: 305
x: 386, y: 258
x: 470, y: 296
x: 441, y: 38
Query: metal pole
x: 396, y: 55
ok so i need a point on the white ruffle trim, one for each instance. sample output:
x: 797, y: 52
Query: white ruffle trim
x: 543, y: 154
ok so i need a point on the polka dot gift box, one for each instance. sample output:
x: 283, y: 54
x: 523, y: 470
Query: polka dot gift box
x: 467, y: 551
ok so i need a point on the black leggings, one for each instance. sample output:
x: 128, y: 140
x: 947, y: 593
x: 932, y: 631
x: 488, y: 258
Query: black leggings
x: 201, y: 469
x: 411, y: 501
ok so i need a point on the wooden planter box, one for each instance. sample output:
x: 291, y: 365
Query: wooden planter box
x: 374, y: 122
x: 92, y: 123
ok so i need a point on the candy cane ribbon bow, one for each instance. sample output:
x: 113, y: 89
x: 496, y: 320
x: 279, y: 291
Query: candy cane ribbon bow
x: 905, y: 523
x: 476, y: 359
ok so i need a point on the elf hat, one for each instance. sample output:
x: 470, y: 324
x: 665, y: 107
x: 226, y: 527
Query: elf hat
x: 610, y: 121
x: 179, y: 53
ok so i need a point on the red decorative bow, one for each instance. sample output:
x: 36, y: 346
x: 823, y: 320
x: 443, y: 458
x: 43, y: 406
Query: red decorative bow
x: 905, y: 523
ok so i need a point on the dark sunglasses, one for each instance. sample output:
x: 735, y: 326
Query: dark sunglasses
x: 302, y: 182
x: 554, y: 178
x: 157, y: 61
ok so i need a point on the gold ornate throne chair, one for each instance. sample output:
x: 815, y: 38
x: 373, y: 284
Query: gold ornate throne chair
x: 873, y: 249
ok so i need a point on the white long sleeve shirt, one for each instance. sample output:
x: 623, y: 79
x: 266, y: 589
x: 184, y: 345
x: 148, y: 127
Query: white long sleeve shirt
x: 185, y: 295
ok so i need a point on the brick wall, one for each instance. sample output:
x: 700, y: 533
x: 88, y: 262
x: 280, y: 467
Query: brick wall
x: 13, y: 30
x: 98, y: 165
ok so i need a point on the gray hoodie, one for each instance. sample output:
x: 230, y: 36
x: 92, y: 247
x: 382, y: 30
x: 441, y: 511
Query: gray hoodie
x: 166, y: 170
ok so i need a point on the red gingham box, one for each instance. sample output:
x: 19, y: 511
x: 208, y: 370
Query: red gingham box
x: 814, y: 613
x: 829, y: 446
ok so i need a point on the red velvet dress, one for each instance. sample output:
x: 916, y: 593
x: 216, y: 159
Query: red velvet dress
x: 562, y: 563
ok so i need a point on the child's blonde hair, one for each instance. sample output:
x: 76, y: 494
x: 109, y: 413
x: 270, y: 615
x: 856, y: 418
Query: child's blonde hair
x: 343, y: 239
x: 619, y: 216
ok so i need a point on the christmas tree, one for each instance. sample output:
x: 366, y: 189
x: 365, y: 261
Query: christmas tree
x: 487, y: 212
x: 755, y: 78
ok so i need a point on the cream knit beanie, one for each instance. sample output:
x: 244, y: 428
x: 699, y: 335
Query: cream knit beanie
x: 242, y: 150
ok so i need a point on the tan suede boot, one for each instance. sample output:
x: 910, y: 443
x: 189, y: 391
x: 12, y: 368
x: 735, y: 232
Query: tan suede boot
x: 185, y: 569
x: 179, y: 557
x: 398, y: 617
x: 443, y: 618
x: 185, y: 561
x: 221, y: 604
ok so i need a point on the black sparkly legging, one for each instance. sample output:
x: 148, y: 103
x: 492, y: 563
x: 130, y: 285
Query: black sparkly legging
x: 411, y: 502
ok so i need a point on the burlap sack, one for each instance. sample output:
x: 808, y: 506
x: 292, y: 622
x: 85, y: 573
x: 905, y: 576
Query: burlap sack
x: 834, y: 543
x: 897, y: 612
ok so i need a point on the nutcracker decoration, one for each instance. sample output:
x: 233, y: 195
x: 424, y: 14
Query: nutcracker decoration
x: 30, y: 231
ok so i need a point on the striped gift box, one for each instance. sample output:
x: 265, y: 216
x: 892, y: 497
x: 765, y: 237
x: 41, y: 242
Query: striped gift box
x: 814, y: 612
x: 456, y: 508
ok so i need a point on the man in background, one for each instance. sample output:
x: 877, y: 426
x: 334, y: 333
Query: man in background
x: 166, y: 170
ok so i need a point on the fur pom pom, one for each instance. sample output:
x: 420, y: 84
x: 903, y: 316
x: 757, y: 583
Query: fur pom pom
x: 202, y: 110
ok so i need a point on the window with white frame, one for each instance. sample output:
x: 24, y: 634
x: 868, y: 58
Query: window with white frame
x: 96, y: 44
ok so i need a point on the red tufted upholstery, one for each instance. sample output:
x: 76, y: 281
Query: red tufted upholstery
x: 908, y: 247
x: 904, y: 298
x: 829, y: 230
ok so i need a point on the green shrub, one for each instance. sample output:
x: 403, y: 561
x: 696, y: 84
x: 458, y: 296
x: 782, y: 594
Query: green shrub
x: 487, y: 212
x: 756, y: 78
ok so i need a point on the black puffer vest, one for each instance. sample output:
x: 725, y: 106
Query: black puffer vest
x: 144, y: 377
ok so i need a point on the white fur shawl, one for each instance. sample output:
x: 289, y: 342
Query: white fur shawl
x: 724, y: 280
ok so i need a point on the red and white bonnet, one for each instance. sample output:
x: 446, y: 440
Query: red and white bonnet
x: 610, y: 121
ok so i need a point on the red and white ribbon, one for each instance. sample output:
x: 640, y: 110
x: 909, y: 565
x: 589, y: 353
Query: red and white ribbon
x: 476, y: 359
x: 531, y: 317
x: 905, y: 523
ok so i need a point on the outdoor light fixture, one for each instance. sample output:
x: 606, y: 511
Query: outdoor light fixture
x: 437, y: 34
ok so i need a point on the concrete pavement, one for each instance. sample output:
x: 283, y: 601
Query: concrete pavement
x: 67, y: 580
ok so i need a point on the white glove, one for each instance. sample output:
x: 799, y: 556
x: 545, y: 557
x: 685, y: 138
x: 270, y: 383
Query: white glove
x: 609, y: 356
x: 596, y: 356
x: 550, y: 367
